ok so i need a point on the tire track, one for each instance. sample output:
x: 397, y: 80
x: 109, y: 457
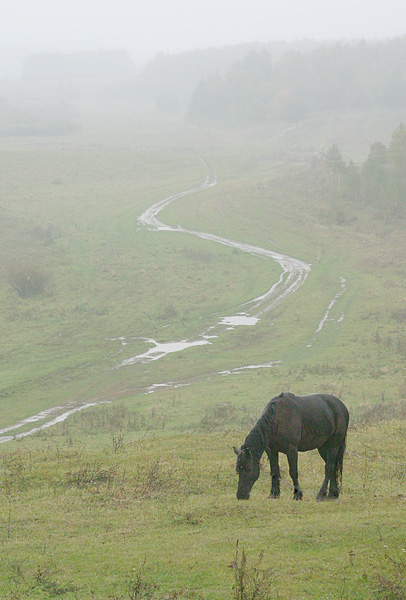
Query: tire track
x: 293, y: 276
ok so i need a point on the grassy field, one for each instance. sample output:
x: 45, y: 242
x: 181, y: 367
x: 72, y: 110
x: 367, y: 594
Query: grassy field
x: 135, y: 497
x: 157, y: 515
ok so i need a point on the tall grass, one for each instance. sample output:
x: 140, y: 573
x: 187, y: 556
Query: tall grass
x: 160, y: 519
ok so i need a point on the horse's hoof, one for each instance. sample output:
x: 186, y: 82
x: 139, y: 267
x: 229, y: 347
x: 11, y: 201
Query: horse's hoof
x: 332, y: 496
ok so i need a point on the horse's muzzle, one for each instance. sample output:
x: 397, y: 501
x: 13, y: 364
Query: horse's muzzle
x: 242, y: 496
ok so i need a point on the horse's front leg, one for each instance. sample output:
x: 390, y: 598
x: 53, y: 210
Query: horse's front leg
x: 275, y: 474
x: 293, y: 472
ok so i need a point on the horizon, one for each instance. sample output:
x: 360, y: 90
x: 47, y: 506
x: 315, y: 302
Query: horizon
x: 146, y: 30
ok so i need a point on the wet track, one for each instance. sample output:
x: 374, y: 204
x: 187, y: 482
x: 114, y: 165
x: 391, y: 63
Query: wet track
x: 293, y: 275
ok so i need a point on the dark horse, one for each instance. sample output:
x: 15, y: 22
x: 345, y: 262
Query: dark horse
x: 290, y: 424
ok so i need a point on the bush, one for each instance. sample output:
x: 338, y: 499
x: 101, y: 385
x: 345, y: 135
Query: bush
x: 389, y: 579
x: 251, y: 582
x: 28, y: 280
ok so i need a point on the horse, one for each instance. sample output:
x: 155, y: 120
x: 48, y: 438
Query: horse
x: 292, y: 424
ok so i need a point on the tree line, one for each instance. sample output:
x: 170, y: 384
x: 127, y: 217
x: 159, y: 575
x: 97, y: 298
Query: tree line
x: 257, y: 88
x: 380, y: 181
x: 168, y: 81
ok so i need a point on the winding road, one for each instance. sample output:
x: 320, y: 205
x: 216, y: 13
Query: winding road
x: 293, y: 276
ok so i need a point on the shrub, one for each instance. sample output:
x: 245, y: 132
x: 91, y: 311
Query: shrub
x: 389, y: 579
x: 168, y: 311
x: 251, y: 582
x: 369, y: 414
x: 46, y: 235
x: 28, y: 279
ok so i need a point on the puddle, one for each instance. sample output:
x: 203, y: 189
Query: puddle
x: 326, y: 317
x: 239, y: 370
x: 38, y: 417
x: 242, y: 319
x: 343, y: 288
x: 170, y: 385
x: 161, y: 350
x: 59, y: 419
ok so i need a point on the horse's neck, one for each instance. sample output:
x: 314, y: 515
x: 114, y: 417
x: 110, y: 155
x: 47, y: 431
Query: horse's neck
x: 260, y: 436
x: 256, y: 441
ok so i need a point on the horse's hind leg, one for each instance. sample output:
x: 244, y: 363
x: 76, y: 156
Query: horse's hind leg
x: 334, y: 490
x: 329, y: 456
x: 293, y: 472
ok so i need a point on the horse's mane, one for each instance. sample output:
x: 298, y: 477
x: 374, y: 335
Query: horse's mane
x: 259, y: 435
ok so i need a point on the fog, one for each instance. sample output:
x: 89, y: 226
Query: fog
x: 146, y: 28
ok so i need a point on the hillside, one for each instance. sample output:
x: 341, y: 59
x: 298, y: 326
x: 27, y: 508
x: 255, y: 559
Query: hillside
x: 132, y: 494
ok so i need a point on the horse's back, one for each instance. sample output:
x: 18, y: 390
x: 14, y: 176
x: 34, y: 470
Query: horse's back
x: 322, y: 417
x: 315, y: 404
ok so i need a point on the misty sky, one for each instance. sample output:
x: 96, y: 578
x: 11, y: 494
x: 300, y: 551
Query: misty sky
x: 145, y: 27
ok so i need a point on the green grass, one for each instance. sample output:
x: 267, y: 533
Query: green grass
x: 91, y: 519
x: 136, y: 498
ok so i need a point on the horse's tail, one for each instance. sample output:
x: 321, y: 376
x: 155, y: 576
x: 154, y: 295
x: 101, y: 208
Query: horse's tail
x: 339, y: 461
x: 343, y: 426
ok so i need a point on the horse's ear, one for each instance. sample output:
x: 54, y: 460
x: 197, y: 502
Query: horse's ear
x: 236, y: 450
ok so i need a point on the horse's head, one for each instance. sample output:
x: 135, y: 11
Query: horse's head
x: 248, y: 472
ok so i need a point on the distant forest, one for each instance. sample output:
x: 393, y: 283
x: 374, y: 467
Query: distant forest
x: 170, y: 80
x: 233, y: 86
x: 298, y: 84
